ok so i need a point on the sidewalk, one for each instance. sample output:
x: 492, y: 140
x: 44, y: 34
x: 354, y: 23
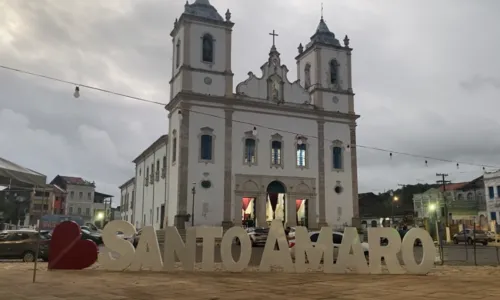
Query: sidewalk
x: 456, y: 282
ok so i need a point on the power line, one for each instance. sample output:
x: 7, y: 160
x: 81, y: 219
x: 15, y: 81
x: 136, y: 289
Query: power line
x: 390, y: 151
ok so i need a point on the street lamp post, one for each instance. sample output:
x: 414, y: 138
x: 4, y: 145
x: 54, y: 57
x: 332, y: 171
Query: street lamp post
x: 193, y: 191
x: 393, y: 199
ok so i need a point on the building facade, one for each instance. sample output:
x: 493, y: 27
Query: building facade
x: 462, y: 202
x: 81, y: 198
x: 127, y: 197
x: 492, y: 192
x: 274, y: 149
x: 151, y: 186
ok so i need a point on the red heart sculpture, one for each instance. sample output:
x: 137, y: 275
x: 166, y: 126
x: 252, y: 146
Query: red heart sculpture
x: 67, y: 249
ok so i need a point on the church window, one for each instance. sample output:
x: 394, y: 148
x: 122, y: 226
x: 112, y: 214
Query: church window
x: 337, y: 158
x: 208, y: 48
x: 307, y: 76
x: 333, y: 71
x: 207, y: 145
x: 301, y: 151
x: 178, y: 53
x: 276, y: 150
x: 250, y: 151
x: 174, y: 147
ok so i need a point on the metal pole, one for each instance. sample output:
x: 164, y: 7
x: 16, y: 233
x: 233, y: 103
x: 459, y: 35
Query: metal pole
x: 193, y: 190
x: 38, y: 235
x: 474, y: 241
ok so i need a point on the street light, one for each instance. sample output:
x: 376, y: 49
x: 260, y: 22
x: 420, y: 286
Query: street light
x: 393, y: 199
x: 99, y: 216
x: 193, y: 191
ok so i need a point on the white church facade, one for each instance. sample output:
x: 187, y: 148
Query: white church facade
x: 271, y: 149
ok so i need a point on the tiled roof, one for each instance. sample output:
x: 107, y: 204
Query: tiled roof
x: 453, y: 186
x: 76, y: 181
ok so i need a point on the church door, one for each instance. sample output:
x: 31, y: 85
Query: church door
x: 275, y: 201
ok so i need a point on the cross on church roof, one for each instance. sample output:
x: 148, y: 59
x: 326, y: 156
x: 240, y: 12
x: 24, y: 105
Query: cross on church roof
x: 274, y: 36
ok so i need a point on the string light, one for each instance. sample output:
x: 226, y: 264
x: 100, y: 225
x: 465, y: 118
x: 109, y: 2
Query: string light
x: 77, y: 92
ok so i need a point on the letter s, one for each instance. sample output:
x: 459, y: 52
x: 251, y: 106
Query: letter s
x: 114, y: 243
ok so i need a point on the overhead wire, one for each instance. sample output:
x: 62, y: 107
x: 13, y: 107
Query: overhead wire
x: 390, y: 151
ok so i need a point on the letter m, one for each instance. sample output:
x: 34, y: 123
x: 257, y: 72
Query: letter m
x: 313, y: 251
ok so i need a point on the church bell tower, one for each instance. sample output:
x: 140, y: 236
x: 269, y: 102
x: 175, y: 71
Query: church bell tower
x: 201, y: 56
x: 324, y: 69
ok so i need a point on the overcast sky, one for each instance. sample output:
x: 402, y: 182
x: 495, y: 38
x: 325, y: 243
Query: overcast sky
x: 426, y: 78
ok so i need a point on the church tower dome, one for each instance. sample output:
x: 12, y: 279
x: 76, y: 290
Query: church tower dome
x: 323, y: 35
x: 203, y: 9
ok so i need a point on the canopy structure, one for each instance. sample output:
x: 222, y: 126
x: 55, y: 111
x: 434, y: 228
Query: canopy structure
x: 16, y: 175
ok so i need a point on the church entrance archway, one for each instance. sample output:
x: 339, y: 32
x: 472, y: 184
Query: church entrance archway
x: 275, y: 201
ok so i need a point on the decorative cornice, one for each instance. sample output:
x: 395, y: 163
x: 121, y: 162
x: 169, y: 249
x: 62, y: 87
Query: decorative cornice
x: 195, y: 19
x: 246, y: 102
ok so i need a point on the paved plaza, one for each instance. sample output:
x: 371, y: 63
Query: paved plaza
x: 447, y: 281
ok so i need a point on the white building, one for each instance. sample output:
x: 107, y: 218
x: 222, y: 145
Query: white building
x: 150, y: 185
x: 127, y: 198
x: 274, y: 149
x: 492, y: 192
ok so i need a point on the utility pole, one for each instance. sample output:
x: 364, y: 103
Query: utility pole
x: 443, y: 182
x: 402, y: 198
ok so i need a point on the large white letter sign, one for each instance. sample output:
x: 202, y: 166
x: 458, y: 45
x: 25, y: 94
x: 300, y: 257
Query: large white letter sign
x: 175, y: 245
x: 147, y: 254
x: 208, y: 234
x: 279, y: 257
x: 350, y: 241
x: 226, y: 252
x: 304, y: 249
x: 389, y: 252
x: 114, y: 243
x: 428, y: 248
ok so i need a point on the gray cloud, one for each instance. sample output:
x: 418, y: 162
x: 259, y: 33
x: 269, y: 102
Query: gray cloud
x: 415, y: 66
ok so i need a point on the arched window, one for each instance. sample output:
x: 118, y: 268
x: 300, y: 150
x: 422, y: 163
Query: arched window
x: 460, y: 197
x: 470, y: 197
x: 178, y: 53
x: 174, y: 146
x: 301, y: 155
x: 250, y: 151
x: 337, y: 158
x: 301, y: 147
x: 307, y: 76
x: 208, y: 48
x: 333, y: 71
x: 276, y: 151
x: 206, y: 147
x: 207, y: 144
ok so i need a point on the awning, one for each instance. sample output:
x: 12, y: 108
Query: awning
x: 16, y: 175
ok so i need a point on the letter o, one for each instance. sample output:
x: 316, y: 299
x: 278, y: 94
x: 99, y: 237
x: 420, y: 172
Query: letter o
x: 429, y: 251
x: 226, y: 249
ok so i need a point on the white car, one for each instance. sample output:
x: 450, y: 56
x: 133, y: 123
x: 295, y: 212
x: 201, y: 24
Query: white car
x: 127, y: 238
x: 337, y: 240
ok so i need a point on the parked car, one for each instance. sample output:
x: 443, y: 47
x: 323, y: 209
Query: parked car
x: 258, y: 236
x: 336, y: 239
x: 22, y: 244
x: 470, y: 237
x: 93, y: 236
x: 127, y: 238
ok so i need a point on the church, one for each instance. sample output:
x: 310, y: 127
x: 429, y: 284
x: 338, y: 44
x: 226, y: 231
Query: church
x: 266, y: 148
